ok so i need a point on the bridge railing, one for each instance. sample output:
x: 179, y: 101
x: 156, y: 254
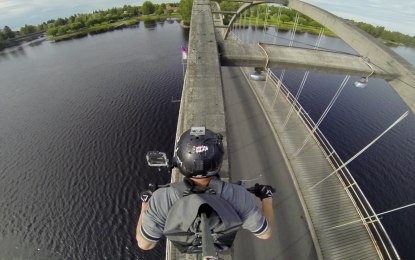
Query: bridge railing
x: 368, y: 216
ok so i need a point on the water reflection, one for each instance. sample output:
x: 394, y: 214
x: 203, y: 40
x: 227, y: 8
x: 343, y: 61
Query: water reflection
x: 3, y: 55
x: 185, y: 33
x: 150, y: 24
x: 36, y: 43
x: 18, y: 51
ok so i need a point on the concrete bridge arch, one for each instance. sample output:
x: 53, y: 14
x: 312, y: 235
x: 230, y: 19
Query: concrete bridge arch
x: 402, y: 73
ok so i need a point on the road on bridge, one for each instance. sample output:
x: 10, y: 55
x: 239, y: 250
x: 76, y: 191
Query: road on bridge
x: 253, y: 150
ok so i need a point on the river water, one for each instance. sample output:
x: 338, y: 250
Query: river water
x: 77, y: 117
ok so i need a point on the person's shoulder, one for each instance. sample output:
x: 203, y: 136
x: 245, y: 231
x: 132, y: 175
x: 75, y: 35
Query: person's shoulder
x: 164, y: 192
x: 163, y: 198
x: 235, y: 188
x: 240, y: 198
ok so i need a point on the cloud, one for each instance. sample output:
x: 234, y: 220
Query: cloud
x: 396, y: 16
x: 12, y: 8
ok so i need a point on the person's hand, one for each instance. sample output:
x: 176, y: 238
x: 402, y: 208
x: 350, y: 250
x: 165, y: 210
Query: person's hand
x: 262, y: 191
x: 146, y: 195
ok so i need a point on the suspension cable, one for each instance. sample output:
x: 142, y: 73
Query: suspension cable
x: 257, y: 17
x: 320, y: 36
x: 277, y: 92
x: 277, y: 26
x: 361, y: 151
x: 245, y: 34
x: 294, y: 29
x: 265, y: 23
x: 326, y: 111
x: 376, y: 215
x: 296, y: 99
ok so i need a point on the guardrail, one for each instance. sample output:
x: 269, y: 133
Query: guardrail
x: 380, y: 238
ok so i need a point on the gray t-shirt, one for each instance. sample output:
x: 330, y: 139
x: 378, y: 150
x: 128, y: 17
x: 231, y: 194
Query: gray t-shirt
x: 163, y: 199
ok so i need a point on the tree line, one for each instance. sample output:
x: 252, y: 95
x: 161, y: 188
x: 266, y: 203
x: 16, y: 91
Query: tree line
x: 84, y: 21
x: 61, y: 26
x: 391, y: 37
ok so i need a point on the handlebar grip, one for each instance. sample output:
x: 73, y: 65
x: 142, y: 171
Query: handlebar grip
x: 253, y: 188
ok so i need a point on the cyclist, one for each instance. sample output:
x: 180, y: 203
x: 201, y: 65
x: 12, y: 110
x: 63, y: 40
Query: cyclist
x: 199, y: 159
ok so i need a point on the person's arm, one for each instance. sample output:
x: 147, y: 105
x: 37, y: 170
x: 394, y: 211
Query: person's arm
x: 269, y: 215
x: 141, y: 241
x: 264, y: 192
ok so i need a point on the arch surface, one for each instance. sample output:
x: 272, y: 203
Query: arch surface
x: 364, y: 44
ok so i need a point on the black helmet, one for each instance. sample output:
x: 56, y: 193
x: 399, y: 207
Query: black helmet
x: 199, y: 153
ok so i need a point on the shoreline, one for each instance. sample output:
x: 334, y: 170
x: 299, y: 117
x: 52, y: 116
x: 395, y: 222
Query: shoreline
x: 132, y: 22
x: 107, y: 27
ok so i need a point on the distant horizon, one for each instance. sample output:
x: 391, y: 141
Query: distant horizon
x: 18, y: 13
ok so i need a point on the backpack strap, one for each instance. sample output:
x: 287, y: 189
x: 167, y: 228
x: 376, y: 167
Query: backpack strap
x: 216, y: 185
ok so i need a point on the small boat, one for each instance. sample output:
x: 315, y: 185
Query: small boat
x: 258, y: 76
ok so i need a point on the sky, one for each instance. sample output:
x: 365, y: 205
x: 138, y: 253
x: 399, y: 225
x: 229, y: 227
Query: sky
x: 395, y: 15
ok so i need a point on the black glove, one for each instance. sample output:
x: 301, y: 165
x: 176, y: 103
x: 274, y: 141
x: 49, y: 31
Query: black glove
x: 262, y: 191
x: 146, y: 195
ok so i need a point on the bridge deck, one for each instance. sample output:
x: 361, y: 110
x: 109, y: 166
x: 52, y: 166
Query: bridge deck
x: 253, y: 150
x: 324, y: 207
x: 328, y: 204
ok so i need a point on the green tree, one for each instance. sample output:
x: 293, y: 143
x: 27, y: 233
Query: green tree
x: 92, y: 22
x: 159, y: 11
x: 315, y: 24
x: 60, y: 22
x: 285, y: 18
x: 72, y: 18
x: 76, y: 26
x: 379, y: 30
x: 185, y: 9
x: 229, y: 6
x: 148, y: 8
x: 302, y: 21
x: 8, y: 33
x: 41, y: 27
x: 52, y: 31
x: 27, y: 29
x: 62, y: 30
